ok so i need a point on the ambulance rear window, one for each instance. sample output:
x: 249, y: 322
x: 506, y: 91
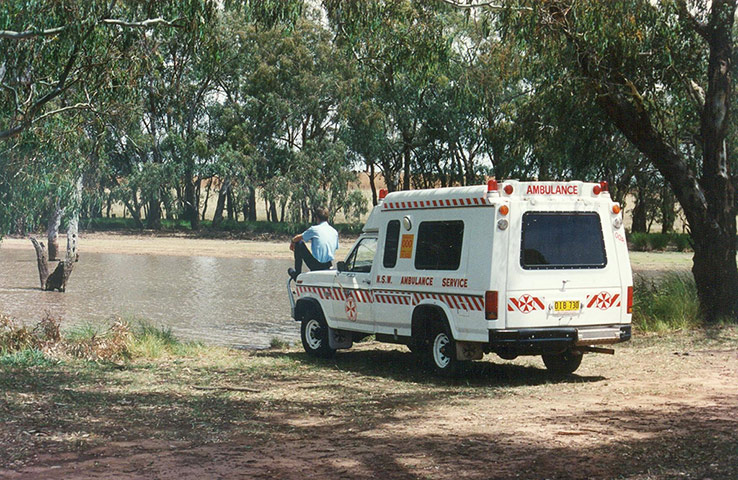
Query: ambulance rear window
x: 439, y: 245
x: 559, y: 240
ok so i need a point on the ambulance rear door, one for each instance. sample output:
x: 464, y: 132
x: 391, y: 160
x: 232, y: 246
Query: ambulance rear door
x: 563, y: 270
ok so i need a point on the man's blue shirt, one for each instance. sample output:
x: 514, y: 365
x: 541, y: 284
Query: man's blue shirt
x: 323, y: 241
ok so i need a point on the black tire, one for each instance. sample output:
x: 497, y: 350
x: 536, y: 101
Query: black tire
x: 441, y: 352
x: 314, y: 336
x: 562, y: 363
x: 418, y: 347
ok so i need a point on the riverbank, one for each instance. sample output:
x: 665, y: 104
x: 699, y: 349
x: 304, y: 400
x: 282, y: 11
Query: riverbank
x: 663, y: 407
x: 182, y: 244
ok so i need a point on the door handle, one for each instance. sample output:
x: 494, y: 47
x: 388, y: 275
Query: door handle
x: 366, y: 282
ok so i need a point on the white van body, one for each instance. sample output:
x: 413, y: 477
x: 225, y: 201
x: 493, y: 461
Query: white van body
x: 519, y: 268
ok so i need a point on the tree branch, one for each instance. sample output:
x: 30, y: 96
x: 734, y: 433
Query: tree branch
x: 31, y: 33
x: 697, y: 26
x: 489, y: 5
x: 76, y: 106
x: 149, y: 23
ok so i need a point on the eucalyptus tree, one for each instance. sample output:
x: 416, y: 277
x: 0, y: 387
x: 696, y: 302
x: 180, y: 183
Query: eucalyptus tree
x: 398, y: 48
x: 661, y: 74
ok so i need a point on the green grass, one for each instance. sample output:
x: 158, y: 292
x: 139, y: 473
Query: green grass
x: 666, y: 303
x: 149, y: 341
x: 28, y: 357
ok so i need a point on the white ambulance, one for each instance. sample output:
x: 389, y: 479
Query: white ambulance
x: 515, y: 268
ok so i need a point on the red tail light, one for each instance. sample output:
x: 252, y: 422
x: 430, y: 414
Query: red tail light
x: 630, y: 300
x: 490, y: 305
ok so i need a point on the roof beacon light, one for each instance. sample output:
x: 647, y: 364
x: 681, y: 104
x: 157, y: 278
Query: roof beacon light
x: 604, y: 186
x: 492, y: 185
x: 382, y: 193
x: 508, y: 189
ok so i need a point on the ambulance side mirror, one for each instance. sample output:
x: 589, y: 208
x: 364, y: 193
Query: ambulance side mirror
x: 341, y: 266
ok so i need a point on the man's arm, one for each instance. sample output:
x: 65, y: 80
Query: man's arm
x: 295, y: 240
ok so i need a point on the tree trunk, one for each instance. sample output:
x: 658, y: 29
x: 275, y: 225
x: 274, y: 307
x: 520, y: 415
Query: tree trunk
x: 252, y: 204
x: 191, y: 207
x: 372, y: 185
x: 640, y: 221
x: 58, y: 279
x: 222, y: 196
x: 52, y: 232
x: 153, y: 219
x: 207, y: 197
x: 708, y: 202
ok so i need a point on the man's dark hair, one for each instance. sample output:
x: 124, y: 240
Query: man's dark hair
x: 321, y: 213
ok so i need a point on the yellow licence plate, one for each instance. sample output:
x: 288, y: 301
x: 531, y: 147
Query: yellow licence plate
x: 566, y: 306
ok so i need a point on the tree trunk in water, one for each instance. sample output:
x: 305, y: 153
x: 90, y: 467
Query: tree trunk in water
x: 52, y: 232
x: 58, y: 279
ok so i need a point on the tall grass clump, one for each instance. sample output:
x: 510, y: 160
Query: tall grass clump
x: 149, y: 341
x: 666, y: 303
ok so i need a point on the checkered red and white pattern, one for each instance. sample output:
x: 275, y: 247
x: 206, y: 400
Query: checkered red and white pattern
x: 392, y: 297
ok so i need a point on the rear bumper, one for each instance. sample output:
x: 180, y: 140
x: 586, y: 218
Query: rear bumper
x: 537, y: 341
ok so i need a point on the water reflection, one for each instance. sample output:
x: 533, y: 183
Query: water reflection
x: 227, y: 301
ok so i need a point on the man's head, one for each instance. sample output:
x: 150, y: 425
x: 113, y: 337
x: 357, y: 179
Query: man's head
x: 321, y: 214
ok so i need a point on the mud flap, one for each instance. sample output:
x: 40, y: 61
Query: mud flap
x: 469, y: 351
x: 338, y: 339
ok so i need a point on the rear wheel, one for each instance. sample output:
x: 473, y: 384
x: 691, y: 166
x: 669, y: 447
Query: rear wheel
x: 442, y: 352
x: 562, y: 363
x: 314, y: 335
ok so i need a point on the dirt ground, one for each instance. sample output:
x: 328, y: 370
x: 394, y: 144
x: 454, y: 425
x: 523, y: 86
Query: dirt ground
x: 661, y: 408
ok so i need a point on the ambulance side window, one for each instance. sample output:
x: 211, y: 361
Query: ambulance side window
x: 439, y: 245
x: 391, y: 243
x: 360, y: 259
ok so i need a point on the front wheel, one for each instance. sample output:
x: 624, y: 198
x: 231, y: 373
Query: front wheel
x: 442, y: 353
x: 314, y: 335
x: 562, y: 363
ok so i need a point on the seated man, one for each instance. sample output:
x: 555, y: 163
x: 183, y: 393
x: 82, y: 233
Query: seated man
x: 323, y: 242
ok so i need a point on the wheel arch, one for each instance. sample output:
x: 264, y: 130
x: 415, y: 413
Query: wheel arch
x: 304, y: 306
x: 424, y: 316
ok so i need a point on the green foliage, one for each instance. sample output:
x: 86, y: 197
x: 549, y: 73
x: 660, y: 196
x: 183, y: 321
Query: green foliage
x: 644, y: 242
x: 666, y: 303
x: 639, y: 242
x: 278, y: 344
x: 659, y: 241
x: 26, y: 358
x: 681, y: 241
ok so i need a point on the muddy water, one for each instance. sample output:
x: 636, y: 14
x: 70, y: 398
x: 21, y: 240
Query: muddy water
x: 227, y: 301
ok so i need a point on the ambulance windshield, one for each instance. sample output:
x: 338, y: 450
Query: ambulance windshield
x: 559, y: 240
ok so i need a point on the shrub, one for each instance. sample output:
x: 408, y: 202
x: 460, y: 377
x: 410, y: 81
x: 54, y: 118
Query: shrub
x: 666, y: 303
x: 639, y: 242
x: 681, y: 241
x: 659, y: 241
x: 278, y: 344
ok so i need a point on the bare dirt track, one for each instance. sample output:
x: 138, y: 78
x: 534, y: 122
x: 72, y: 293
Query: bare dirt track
x: 663, y: 407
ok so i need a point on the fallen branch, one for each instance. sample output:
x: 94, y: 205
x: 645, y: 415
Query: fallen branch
x: 230, y: 389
